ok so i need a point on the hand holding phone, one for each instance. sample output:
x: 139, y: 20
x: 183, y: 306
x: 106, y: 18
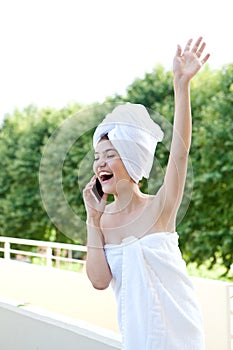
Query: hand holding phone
x: 97, y: 191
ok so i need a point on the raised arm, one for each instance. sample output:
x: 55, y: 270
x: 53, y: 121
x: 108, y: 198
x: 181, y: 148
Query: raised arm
x: 185, y: 65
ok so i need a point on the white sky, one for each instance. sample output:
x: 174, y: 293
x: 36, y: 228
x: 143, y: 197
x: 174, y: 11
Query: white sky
x: 58, y: 51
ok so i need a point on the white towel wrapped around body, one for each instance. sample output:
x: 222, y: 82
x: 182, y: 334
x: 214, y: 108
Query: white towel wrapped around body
x: 134, y: 135
x: 157, y: 307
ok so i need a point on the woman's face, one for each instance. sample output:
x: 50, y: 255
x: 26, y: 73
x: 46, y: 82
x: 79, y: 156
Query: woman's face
x: 109, y: 167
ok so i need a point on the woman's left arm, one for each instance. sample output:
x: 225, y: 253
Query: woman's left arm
x: 185, y: 66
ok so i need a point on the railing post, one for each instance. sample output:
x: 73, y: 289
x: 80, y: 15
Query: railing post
x: 7, y: 255
x: 49, y: 254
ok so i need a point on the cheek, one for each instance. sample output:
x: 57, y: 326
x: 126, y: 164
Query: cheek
x: 94, y: 168
x: 113, y: 165
x: 118, y: 168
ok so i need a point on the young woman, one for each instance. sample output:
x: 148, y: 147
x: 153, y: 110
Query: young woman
x: 132, y: 242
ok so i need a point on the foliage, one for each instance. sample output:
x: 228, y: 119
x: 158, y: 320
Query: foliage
x: 208, y: 227
x: 48, y: 153
x: 22, y: 138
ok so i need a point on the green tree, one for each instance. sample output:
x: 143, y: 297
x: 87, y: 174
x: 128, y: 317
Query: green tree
x: 46, y: 160
x: 22, y: 138
x: 208, y: 227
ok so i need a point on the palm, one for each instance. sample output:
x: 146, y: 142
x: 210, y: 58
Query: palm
x: 188, y: 63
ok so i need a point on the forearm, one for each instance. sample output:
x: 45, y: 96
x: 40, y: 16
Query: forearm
x: 97, y: 268
x: 182, y: 126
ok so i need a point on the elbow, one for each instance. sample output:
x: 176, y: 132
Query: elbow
x: 99, y: 283
x: 100, y: 286
x: 99, y: 279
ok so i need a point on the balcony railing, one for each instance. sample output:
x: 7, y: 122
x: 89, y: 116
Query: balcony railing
x: 64, y: 291
x: 46, y: 251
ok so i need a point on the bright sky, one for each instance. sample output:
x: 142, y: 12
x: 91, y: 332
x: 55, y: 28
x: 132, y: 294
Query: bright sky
x: 57, y: 51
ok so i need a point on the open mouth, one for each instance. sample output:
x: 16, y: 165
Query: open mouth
x: 105, y: 176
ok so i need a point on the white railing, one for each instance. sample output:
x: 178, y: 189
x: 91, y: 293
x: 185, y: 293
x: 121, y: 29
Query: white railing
x: 47, y: 251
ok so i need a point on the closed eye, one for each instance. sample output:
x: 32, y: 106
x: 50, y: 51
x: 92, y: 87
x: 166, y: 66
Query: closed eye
x: 108, y: 155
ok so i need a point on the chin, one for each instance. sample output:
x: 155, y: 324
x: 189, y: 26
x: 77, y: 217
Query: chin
x: 109, y: 190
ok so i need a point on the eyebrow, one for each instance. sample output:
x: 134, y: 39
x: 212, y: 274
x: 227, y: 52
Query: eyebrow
x: 109, y: 149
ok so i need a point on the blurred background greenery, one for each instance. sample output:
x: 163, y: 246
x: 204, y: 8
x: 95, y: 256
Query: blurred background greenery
x: 206, y: 230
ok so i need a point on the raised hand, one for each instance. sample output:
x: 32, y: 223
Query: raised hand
x: 187, y: 63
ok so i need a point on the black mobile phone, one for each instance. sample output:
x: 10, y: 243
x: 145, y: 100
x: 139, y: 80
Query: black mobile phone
x: 97, y: 190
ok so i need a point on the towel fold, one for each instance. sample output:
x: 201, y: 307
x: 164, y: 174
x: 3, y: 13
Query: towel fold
x: 134, y: 135
x: 157, y: 306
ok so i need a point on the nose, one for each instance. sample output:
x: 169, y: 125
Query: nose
x: 100, y: 163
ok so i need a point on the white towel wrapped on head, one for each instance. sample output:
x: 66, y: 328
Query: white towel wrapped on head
x: 134, y: 135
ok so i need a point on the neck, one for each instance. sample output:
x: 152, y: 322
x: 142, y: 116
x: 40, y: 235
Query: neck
x: 128, y: 197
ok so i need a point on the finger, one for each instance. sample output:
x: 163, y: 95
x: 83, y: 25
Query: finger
x: 93, y: 178
x: 92, y: 181
x: 178, y: 51
x: 87, y: 189
x: 104, y: 197
x: 187, y: 47
x: 203, y: 61
x: 90, y: 184
x: 197, y: 44
x: 200, y: 51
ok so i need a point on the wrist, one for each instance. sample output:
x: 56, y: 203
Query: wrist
x: 181, y: 82
x: 95, y: 238
x: 181, y: 87
x: 93, y: 220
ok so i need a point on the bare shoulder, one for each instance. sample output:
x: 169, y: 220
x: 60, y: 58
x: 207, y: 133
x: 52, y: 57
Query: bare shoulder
x: 146, y: 218
x: 114, y: 217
